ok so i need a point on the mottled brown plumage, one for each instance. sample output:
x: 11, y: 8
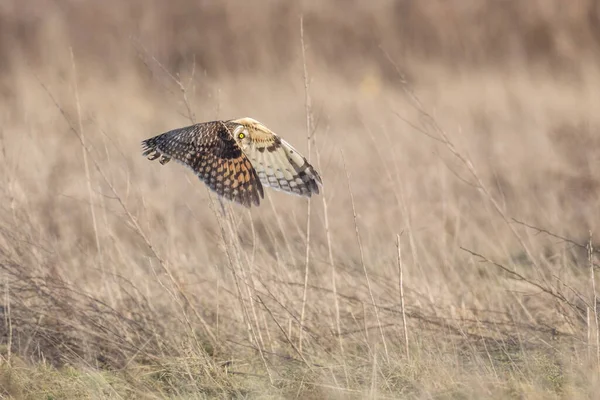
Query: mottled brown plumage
x: 235, y: 158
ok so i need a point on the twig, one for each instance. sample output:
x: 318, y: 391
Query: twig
x: 401, y: 284
x: 250, y: 287
x: 589, y: 332
x: 287, y: 338
x: 333, y: 269
x: 85, y: 156
x: 8, y: 318
x: 175, y: 80
x: 254, y: 332
x: 575, y: 292
x: 518, y: 276
x: 362, y: 257
x: 134, y: 222
x: 594, y: 298
x: 443, y: 138
x: 373, y: 388
x: 554, y: 235
x: 308, y: 206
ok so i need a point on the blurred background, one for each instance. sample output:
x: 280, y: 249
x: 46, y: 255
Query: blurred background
x: 345, y: 36
x: 457, y: 140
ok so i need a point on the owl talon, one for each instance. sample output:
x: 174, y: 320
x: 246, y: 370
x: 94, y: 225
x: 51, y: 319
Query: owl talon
x: 164, y: 159
x: 154, y: 155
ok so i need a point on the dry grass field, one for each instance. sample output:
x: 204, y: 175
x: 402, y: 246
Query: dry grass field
x: 450, y: 255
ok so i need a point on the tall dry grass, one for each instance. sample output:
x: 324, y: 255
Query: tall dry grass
x: 452, y: 253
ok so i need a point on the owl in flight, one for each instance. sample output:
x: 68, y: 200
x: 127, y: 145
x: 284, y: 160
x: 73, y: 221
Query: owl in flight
x: 236, y: 158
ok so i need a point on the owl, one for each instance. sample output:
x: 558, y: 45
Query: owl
x: 236, y: 158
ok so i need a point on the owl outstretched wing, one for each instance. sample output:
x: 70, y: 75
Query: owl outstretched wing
x: 212, y: 153
x: 280, y: 166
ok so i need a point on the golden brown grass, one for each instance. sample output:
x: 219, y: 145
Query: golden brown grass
x: 452, y: 253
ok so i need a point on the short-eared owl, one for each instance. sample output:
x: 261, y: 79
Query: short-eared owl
x: 236, y: 158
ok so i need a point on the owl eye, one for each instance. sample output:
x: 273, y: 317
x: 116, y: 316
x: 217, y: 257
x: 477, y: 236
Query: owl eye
x: 241, y: 135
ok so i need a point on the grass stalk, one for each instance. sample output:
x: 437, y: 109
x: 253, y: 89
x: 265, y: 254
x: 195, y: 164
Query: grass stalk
x: 401, y: 290
x: 307, y: 109
x: 362, y: 261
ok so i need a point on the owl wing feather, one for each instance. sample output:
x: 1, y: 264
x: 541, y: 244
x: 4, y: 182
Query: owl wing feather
x: 212, y: 153
x: 281, y: 167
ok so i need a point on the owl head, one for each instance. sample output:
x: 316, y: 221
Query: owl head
x: 247, y: 130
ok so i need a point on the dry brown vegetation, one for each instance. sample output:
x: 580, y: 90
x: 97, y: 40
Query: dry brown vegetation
x: 120, y: 278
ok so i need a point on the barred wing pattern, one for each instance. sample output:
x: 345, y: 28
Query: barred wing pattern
x: 213, y: 154
x: 281, y: 167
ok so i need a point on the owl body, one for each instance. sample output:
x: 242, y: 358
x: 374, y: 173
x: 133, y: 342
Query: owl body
x: 236, y: 158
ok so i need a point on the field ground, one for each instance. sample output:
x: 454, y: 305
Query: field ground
x: 452, y: 251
